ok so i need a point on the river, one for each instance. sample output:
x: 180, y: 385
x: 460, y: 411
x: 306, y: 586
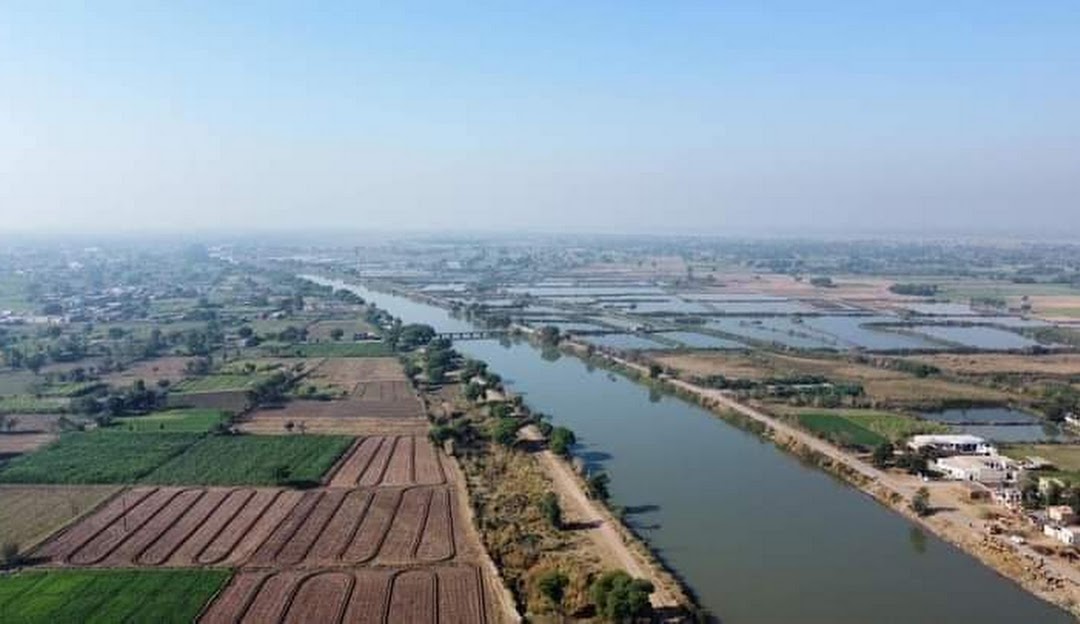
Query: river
x: 759, y: 537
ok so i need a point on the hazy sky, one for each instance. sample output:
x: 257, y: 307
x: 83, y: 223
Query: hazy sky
x: 706, y: 117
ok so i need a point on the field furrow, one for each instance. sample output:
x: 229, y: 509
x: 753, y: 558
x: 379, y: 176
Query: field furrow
x: 133, y: 546
x: 373, y: 475
x: 62, y: 546
x: 399, y: 471
x: 361, y: 455
x: 320, y: 598
x: 230, y: 605
x: 412, y: 598
x: 461, y: 598
x: 273, y: 598
x: 209, y: 528
x: 404, y: 533
x: 268, y: 552
x: 365, y: 544
x: 369, y: 597
x: 296, y: 548
x: 437, y: 540
x: 239, y: 540
x: 122, y: 528
x: 179, y: 532
x: 427, y: 467
x: 340, y: 531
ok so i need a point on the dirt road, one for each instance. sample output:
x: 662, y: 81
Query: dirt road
x: 601, y: 528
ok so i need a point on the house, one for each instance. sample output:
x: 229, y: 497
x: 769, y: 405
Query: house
x: 992, y: 469
x: 1072, y: 419
x: 1061, y: 514
x: 952, y: 444
x: 1008, y: 497
x: 1065, y: 534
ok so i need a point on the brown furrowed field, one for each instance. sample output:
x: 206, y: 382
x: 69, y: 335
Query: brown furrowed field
x: 30, y: 513
x: 390, y: 461
x: 12, y: 444
x: 440, y: 594
x: 1051, y: 364
x: 254, y: 527
x: 268, y: 422
x: 173, y: 368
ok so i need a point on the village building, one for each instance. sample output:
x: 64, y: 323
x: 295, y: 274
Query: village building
x: 992, y: 469
x: 952, y: 444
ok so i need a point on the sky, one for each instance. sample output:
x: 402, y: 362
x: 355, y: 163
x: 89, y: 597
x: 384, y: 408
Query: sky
x: 715, y: 117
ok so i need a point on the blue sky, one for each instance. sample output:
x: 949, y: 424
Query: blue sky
x: 653, y: 116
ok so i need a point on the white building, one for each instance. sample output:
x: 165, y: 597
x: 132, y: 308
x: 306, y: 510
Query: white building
x: 1061, y: 514
x: 1068, y: 535
x: 1008, y: 497
x: 952, y: 444
x: 989, y: 469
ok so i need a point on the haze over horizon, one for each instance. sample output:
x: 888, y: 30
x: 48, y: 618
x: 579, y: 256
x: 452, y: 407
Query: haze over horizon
x: 703, y: 118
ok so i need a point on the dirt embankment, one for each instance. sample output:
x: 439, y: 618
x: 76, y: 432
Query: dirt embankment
x: 1053, y: 580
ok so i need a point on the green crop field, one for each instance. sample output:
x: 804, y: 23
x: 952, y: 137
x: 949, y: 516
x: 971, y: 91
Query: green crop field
x: 181, y: 420
x: 217, y: 383
x: 253, y: 460
x: 335, y: 349
x: 890, y: 425
x: 107, y: 596
x: 26, y: 404
x: 840, y: 430
x: 97, y: 457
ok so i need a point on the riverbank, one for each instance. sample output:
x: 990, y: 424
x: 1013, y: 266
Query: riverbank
x: 755, y: 530
x: 954, y: 521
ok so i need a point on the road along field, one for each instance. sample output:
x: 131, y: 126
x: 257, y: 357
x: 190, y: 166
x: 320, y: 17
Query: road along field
x: 437, y: 595
x: 264, y: 527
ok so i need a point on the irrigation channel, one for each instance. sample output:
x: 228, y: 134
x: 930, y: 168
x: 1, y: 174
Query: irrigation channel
x: 758, y: 536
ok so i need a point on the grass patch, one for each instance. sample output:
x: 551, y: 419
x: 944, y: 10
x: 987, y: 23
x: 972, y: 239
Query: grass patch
x: 29, y: 513
x: 107, y: 596
x: 97, y: 457
x: 1065, y: 457
x: 16, y: 382
x: 217, y: 383
x: 890, y: 425
x: 334, y: 349
x: 25, y: 404
x: 173, y: 421
x: 839, y: 430
x: 253, y: 460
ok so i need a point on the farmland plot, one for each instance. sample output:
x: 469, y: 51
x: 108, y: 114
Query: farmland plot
x: 429, y: 595
x: 172, y: 526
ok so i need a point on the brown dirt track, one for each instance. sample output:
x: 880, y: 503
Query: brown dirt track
x: 331, y: 527
x: 440, y: 595
x: 12, y: 444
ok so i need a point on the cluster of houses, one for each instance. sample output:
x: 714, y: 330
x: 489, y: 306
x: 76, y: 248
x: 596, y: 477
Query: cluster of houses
x: 971, y: 459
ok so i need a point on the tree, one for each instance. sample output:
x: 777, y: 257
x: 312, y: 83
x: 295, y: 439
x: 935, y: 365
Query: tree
x: 549, y: 335
x: 473, y: 391
x: 337, y: 333
x: 552, y: 585
x: 619, y: 597
x: 920, y: 503
x: 560, y: 441
x: 598, y: 484
x: 506, y: 431
x: 9, y: 554
x: 655, y: 370
x: 883, y: 454
x: 549, y: 506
